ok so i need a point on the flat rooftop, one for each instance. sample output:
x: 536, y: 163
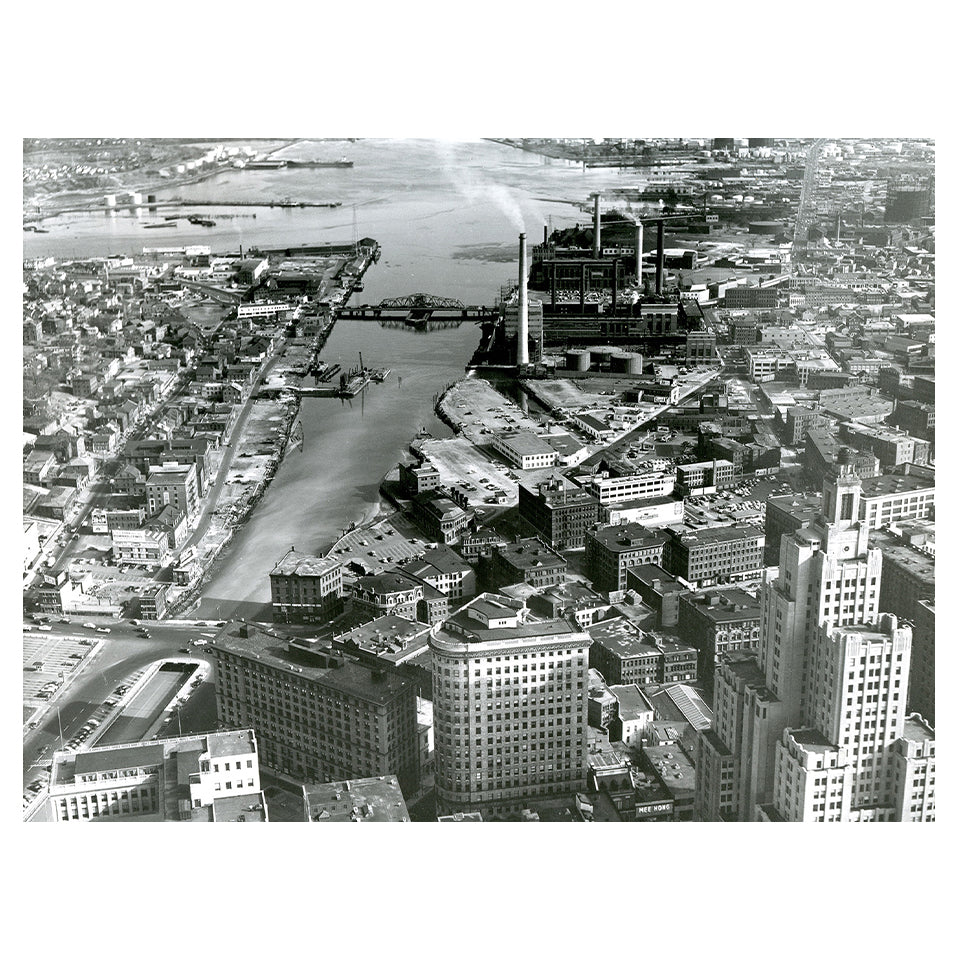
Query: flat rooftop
x: 628, y: 536
x: 366, y: 800
x: 724, y: 605
x: 813, y: 740
x: 633, y: 704
x: 622, y: 638
x: 717, y: 534
x: 902, y: 555
x: 890, y: 484
x: 294, y: 564
x: 528, y: 554
x: 272, y: 649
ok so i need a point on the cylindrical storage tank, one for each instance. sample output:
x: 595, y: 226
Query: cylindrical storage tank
x: 578, y: 359
x: 626, y: 362
x: 600, y: 355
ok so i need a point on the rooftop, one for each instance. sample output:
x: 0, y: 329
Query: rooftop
x: 915, y: 728
x: 812, y: 740
x: 525, y: 443
x: 633, y: 704
x: 627, y: 536
x: 367, y: 800
x: 722, y: 605
x: 294, y: 564
x: 530, y: 553
x: 889, y: 484
x: 274, y: 650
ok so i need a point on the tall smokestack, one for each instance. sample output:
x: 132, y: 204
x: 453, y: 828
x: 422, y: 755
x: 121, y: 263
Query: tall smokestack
x: 596, y: 226
x: 639, y: 252
x: 523, y: 350
x: 659, y: 280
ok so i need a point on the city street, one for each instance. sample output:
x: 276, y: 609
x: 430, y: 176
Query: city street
x: 122, y: 654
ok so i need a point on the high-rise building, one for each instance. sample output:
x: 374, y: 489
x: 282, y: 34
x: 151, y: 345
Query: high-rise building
x: 855, y: 759
x: 319, y: 713
x: 509, y: 708
x: 827, y: 575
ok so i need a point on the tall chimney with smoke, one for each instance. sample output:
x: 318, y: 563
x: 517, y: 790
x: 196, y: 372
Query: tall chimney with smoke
x: 639, y: 252
x: 523, y: 350
x: 596, y: 226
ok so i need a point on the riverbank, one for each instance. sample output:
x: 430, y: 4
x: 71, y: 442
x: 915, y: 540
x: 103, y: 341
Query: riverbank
x: 257, y: 453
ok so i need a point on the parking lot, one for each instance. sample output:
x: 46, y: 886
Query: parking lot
x: 389, y: 541
x: 475, y: 472
x: 60, y: 656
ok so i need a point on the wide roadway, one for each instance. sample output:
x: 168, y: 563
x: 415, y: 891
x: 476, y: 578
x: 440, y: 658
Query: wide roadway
x: 122, y: 653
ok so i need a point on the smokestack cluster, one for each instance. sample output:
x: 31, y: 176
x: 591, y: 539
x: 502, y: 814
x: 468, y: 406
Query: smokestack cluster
x: 523, y: 350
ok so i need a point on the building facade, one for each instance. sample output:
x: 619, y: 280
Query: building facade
x: 306, y: 589
x: 510, y: 709
x: 320, y: 715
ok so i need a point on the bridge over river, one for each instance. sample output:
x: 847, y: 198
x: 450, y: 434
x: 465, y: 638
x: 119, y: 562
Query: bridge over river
x: 418, y: 311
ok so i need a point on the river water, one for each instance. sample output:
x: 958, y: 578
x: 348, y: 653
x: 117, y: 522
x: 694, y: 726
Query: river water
x: 447, y: 217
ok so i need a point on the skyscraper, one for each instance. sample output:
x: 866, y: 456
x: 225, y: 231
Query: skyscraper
x: 829, y: 576
x: 509, y: 708
x: 856, y: 758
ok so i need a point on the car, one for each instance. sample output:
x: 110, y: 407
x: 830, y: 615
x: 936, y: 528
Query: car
x: 89, y: 626
x: 103, y: 629
x: 44, y: 626
x: 63, y: 619
x: 184, y: 649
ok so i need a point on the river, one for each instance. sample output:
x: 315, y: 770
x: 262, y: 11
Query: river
x: 447, y: 217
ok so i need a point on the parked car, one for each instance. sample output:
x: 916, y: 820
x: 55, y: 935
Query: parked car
x: 89, y: 626
x: 103, y: 629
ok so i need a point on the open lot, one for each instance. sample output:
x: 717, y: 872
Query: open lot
x: 479, y: 410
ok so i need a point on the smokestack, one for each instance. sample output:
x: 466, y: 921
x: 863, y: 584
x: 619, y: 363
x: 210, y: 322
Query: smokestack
x: 545, y: 237
x: 523, y: 351
x: 659, y: 286
x: 639, y: 252
x: 596, y: 226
